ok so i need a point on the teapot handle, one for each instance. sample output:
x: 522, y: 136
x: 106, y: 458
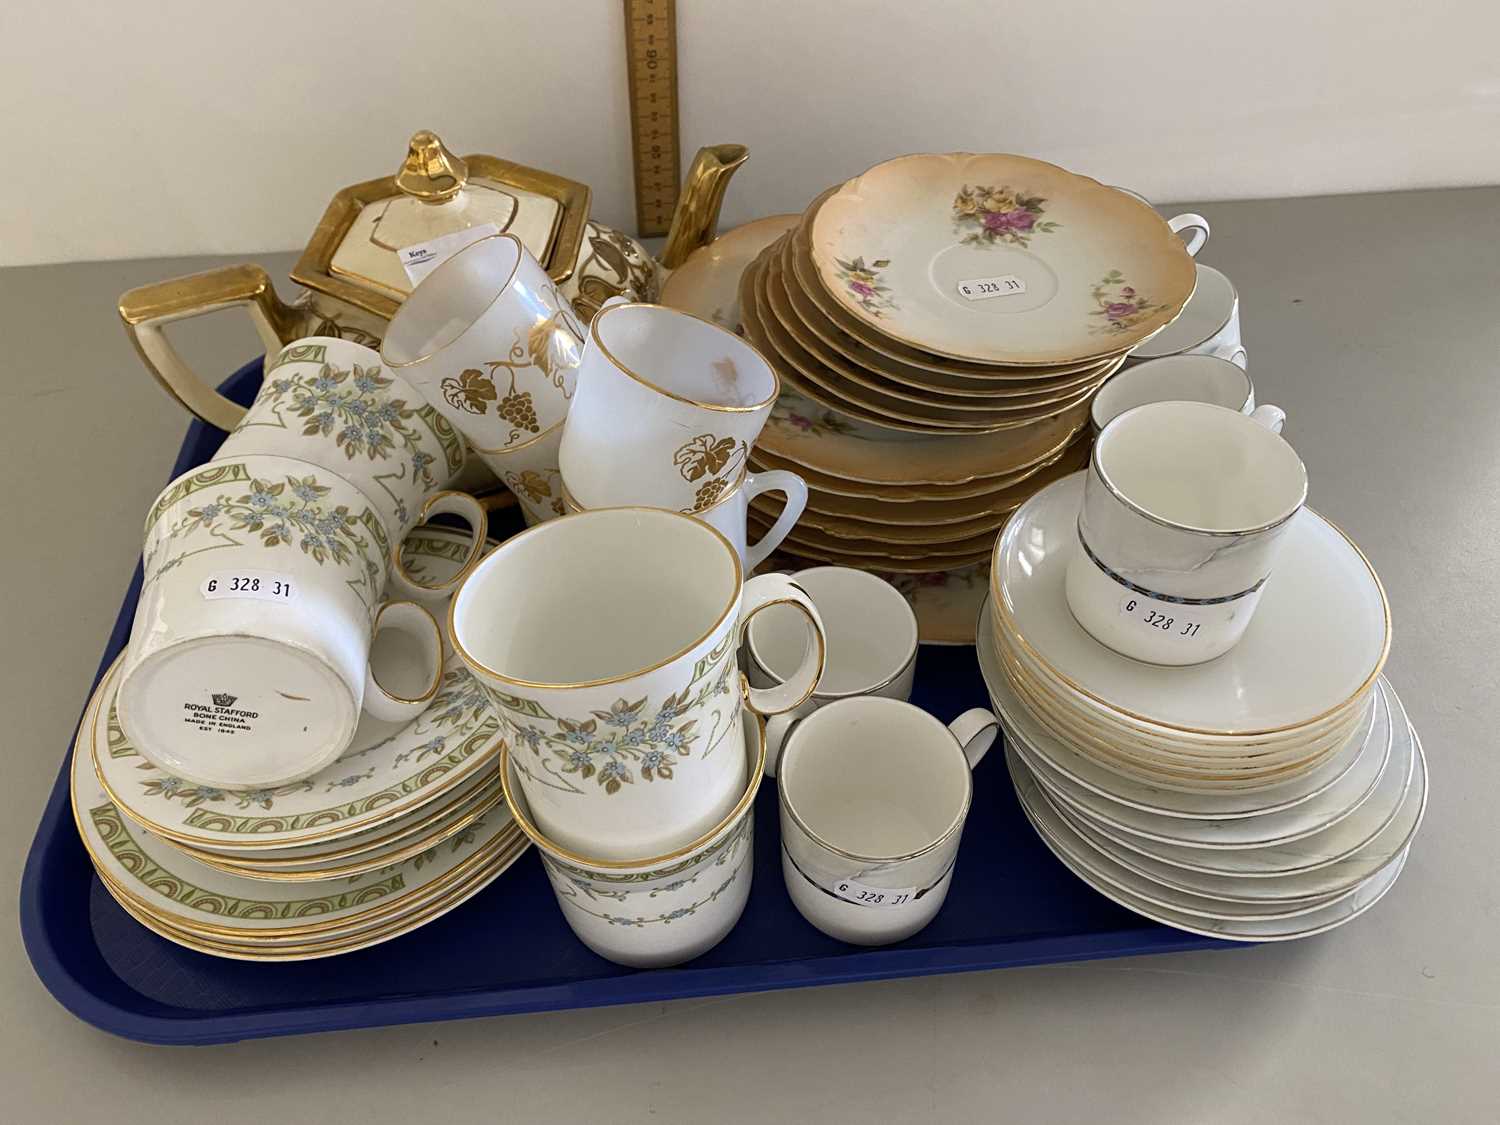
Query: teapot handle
x: 147, y: 311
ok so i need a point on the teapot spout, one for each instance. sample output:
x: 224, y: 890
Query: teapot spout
x: 695, y: 222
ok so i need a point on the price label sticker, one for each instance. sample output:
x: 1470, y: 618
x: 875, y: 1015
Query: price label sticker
x: 851, y: 890
x: 262, y: 585
x: 421, y: 258
x: 984, y: 288
x: 1164, y: 617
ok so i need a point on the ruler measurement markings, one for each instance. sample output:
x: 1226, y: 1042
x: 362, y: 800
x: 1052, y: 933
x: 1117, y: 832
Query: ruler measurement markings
x: 651, y: 65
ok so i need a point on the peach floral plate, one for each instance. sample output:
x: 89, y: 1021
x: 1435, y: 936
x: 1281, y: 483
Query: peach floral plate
x: 999, y: 259
x: 707, y: 284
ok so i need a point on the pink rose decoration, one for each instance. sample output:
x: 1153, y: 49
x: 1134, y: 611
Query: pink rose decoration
x: 1117, y: 309
x: 799, y: 421
x: 1018, y: 220
x: 862, y: 289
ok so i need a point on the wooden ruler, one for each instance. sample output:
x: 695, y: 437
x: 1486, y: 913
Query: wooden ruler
x: 651, y: 57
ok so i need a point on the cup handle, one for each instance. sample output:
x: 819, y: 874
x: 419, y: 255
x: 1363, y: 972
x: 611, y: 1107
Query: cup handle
x: 794, y: 488
x: 777, y: 589
x: 975, y: 730
x: 1234, y: 353
x: 459, y: 504
x: 1271, y: 417
x: 776, y: 731
x: 416, y: 621
x: 1197, y: 225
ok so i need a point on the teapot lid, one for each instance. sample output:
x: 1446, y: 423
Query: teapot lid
x: 355, y: 254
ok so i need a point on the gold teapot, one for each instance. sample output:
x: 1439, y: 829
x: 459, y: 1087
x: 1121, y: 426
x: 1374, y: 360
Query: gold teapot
x: 353, y: 273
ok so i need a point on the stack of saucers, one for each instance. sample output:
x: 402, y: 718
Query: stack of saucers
x: 410, y: 822
x: 940, y: 324
x: 1268, y: 794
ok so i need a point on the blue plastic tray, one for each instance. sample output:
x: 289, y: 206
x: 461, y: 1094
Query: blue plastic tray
x: 509, y: 950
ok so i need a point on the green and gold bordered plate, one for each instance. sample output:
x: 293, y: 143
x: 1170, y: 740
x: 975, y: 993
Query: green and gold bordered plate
x: 388, y: 771
x: 155, y: 879
x: 999, y: 259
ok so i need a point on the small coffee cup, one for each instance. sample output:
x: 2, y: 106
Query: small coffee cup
x: 873, y: 794
x: 1184, y: 508
x: 249, y: 657
x: 666, y: 410
x: 1209, y: 324
x: 729, y: 513
x: 1174, y: 378
x: 530, y: 471
x: 871, y: 634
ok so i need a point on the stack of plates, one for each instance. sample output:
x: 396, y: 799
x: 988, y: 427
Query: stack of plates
x: 940, y: 324
x: 1269, y: 794
x: 407, y: 825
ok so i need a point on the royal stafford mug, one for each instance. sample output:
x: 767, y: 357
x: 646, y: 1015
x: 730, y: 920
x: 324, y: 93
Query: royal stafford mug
x: 530, y: 471
x: 249, y: 657
x: 490, y: 342
x: 663, y: 910
x: 1175, y: 378
x: 729, y: 513
x: 608, y: 643
x: 872, y: 645
x: 328, y: 402
x: 1209, y: 324
x: 666, y: 411
x: 1184, y: 508
x: 874, y: 793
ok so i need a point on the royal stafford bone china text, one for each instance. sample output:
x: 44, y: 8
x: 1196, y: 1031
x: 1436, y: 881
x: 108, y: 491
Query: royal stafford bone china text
x: 354, y: 268
x: 871, y: 635
x: 999, y: 258
x: 1184, y: 510
x: 491, y: 343
x: 666, y: 410
x: 728, y: 514
x: 660, y: 910
x: 616, y: 674
x: 249, y: 654
x: 871, y: 863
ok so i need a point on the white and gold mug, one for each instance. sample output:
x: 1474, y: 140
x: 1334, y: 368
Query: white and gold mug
x: 608, y: 643
x: 249, y: 657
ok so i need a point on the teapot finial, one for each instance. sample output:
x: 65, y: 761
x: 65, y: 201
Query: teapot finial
x: 430, y: 172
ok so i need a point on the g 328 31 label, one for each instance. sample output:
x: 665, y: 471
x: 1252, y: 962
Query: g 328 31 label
x: 1165, y: 617
x: 852, y: 890
x: 263, y: 585
x: 983, y: 288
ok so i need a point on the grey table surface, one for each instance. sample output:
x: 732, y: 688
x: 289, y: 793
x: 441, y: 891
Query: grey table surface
x: 1370, y: 319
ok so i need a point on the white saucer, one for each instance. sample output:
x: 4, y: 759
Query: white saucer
x: 1360, y: 839
x: 1064, y: 843
x: 1139, y: 794
x: 1318, y: 640
x: 1284, y: 827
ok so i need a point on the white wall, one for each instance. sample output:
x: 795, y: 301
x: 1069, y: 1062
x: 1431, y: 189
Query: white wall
x: 178, y: 126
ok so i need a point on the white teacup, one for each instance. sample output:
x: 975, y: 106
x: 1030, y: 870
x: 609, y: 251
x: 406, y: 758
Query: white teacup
x: 872, y: 645
x: 608, y: 643
x: 329, y: 402
x: 1184, y: 507
x: 730, y: 511
x: 663, y: 910
x: 874, y: 793
x: 1191, y: 227
x: 1175, y: 378
x: 249, y: 658
x: 490, y: 342
x: 1209, y: 324
x: 666, y: 410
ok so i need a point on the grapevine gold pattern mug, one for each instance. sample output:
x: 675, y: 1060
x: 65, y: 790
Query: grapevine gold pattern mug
x: 1184, y: 508
x: 249, y: 657
x: 666, y: 411
x: 608, y: 643
x: 491, y: 343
